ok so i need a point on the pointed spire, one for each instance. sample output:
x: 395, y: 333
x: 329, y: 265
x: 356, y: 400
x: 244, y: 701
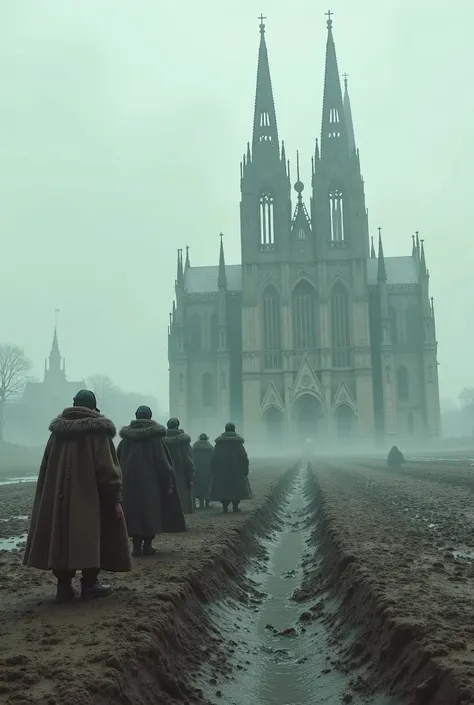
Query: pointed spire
x: 423, y: 258
x: 413, y: 249
x: 222, y: 278
x: 179, y: 271
x: 381, y: 271
x: 264, y: 124
x: 417, y: 241
x: 333, y: 128
x: 348, y: 117
x: 187, y: 264
x: 372, y: 248
x: 432, y: 307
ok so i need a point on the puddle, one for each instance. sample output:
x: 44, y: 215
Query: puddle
x: 18, y: 517
x: 12, y: 542
x: 277, y: 658
x: 16, y: 480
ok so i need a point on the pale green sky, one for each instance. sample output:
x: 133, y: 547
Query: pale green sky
x: 122, y: 125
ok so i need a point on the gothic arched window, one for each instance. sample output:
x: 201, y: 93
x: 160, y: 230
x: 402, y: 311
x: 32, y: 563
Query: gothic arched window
x: 336, y: 215
x: 267, y: 220
x: 207, y: 389
x: 303, y: 313
x: 402, y: 383
x: 340, y: 327
x: 271, y: 328
x: 334, y: 123
x: 393, y: 325
x: 413, y: 326
x: 195, y: 333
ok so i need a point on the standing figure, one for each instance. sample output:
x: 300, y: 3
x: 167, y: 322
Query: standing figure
x: 395, y: 458
x: 202, y: 451
x: 147, y: 482
x: 229, y: 470
x: 77, y: 522
x: 179, y: 446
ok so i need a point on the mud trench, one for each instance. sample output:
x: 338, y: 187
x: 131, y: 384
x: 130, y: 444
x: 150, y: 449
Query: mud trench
x: 269, y: 649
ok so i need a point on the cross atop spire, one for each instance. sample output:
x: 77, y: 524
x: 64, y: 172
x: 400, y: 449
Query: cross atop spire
x: 329, y: 14
x: 265, y: 133
x: 333, y: 128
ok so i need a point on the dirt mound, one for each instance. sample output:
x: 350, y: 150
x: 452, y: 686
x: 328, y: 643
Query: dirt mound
x: 395, y: 583
x: 140, y: 644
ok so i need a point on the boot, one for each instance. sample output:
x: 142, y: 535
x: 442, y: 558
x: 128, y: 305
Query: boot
x: 148, y: 548
x: 64, y: 592
x: 137, y: 548
x: 235, y: 507
x: 225, y: 507
x: 91, y: 590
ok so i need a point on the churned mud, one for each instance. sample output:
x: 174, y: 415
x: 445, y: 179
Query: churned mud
x: 277, y: 649
x: 140, y: 644
x: 397, y: 573
x: 341, y: 582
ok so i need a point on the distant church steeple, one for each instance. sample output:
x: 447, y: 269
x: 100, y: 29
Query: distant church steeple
x: 54, y: 365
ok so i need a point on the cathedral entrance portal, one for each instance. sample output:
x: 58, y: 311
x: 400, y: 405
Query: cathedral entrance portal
x: 273, y: 420
x: 344, y: 421
x: 308, y: 415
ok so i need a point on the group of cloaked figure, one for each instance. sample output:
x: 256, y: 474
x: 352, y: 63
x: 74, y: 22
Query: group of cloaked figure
x: 91, y: 497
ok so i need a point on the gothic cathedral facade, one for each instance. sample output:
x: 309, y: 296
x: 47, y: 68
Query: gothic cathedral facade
x: 314, y: 336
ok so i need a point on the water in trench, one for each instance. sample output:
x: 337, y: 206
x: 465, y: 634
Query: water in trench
x: 265, y: 654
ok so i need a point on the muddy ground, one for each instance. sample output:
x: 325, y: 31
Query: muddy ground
x: 137, y: 645
x: 398, y: 556
x: 386, y: 587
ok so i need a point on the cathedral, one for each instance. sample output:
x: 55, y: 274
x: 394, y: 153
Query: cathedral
x: 315, y: 335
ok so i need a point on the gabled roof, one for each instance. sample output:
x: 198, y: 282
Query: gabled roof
x: 400, y: 270
x: 202, y: 280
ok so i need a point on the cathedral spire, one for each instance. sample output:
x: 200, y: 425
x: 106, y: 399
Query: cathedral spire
x: 187, y: 264
x: 423, y: 258
x: 265, y: 133
x: 381, y: 271
x: 333, y: 127
x: 179, y: 270
x: 348, y: 117
x: 222, y: 278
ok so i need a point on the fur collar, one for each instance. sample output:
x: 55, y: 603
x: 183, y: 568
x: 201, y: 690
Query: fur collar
x: 201, y: 445
x: 142, y: 430
x: 77, y: 420
x: 177, y: 435
x: 230, y: 436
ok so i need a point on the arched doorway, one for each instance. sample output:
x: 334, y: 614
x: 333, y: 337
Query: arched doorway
x: 273, y: 420
x: 344, y: 421
x: 308, y: 414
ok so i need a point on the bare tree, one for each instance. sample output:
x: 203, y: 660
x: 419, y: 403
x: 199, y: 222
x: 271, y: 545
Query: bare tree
x: 102, y: 386
x: 14, y: 366
x: 467, y: 398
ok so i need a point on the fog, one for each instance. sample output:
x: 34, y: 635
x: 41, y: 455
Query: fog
x: 122, y: 126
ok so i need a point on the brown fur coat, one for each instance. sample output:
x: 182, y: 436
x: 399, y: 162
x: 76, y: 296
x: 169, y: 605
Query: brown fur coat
x: 73, y: 524
x: 147, y: 478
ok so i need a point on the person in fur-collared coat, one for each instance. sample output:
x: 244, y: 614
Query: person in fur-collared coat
x: 147, y: 482
x: 77, y: 522
x: 179, y: 446
x: 202, y: 451
x: 229, y: 470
